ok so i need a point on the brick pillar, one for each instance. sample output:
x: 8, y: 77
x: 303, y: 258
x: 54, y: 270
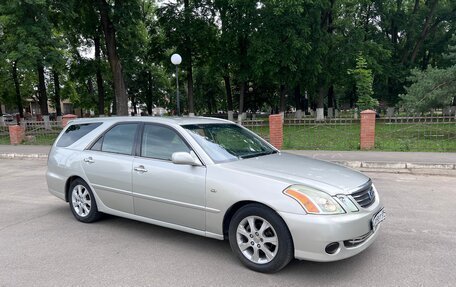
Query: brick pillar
x: 276, y: 130
x: 367, y: 132
x: 17, y: 134
x: 67, y: 118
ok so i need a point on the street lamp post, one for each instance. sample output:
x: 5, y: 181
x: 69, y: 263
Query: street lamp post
x: 176, y: 59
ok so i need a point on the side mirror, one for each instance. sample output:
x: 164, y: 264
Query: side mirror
x: 184, y: 158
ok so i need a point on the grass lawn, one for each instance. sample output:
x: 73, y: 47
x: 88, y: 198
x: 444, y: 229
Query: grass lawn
x: 416, y: 137
x: 389, y: 137
x: 4, y: 140
x: 46, y: 139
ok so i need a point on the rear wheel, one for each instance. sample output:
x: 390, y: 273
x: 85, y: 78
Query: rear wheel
x: 260, y: 238
x: 82, y: 202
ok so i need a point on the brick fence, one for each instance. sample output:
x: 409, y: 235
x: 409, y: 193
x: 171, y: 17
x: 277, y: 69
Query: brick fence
x: 17, y: 134
x: 367, y: 132
x: 366, y: 136
x: 276, y: 130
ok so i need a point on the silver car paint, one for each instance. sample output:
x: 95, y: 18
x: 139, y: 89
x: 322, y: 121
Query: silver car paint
x: 169, y: 192
x: 110, y: 177
x: 259, y: 179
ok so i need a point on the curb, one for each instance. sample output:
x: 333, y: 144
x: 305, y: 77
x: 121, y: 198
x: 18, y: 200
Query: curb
x: 395, y: 167
x: 23, y: 156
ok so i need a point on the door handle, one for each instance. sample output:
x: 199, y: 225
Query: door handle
x: 89, y: 160
x: 140, y: 169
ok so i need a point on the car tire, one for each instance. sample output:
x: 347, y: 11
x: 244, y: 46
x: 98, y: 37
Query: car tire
x: 268, y: 246
x: 82, y: 202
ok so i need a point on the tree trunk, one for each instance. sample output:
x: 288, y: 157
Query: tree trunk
x: 209, y: 103
x: 297, y: 97
x: 42, y: 96
x: 90, y: 89
x: 229, y: 96
x: 18, y: 90
x: 425, y: 31
x: 58, y: 107
x: 282, y: 98
x: 100, y: 87
x: 320, y: 103
x: 120, y: 90
x: 241, y: 97
x: 133, y: 102
x: 331, y: 99
x: 305, y: 103
x: 191, y: 107
x: 149, y: 93
x: 188, y: 52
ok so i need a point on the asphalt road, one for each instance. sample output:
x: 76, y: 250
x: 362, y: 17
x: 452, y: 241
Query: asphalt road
x: 41, y: 244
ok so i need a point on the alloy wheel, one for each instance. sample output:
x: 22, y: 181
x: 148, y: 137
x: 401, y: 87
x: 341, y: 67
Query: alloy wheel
x: 81, y: 201
x: 257, y: 239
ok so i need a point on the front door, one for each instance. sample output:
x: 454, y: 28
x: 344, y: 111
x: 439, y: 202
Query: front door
x: 163, y: 190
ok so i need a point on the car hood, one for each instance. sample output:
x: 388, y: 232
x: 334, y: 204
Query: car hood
x: 294, y: 169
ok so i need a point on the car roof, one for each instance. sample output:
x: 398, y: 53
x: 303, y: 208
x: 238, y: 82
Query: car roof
x: 164, y: 120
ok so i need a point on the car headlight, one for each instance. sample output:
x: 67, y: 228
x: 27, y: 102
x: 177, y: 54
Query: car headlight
x: 347, y: 203
x: 314, y: 201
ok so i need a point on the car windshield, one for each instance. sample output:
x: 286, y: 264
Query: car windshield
x: 228, y: 142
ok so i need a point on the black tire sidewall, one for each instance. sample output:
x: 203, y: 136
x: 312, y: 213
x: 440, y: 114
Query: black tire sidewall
x: 285, y: 249
x: 93, y: 214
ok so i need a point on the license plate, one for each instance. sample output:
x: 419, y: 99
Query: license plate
x: 379, y: 217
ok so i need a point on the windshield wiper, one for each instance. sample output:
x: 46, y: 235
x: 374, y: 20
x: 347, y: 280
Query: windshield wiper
x: 258, y: 154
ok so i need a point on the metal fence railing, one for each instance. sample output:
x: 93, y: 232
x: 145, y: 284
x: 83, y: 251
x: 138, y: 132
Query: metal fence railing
x: 308, y: 133
x: 425, y: 133
x: 260, y: 127
x: 401, y: 133
x: 38, y: 132
x: 4, y: 135
x: 328, y: 134
x: 429, y: 133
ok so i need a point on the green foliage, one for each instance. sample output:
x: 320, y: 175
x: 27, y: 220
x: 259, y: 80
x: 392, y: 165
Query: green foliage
x: 270, y: 43
x: 363, y: 81
x: 430, y: 89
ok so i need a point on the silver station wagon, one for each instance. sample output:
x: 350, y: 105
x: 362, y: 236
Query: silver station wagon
x: 213, y: 178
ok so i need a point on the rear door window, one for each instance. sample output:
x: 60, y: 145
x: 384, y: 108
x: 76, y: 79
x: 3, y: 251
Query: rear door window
x: 119, y: 139
x: 75, y: 132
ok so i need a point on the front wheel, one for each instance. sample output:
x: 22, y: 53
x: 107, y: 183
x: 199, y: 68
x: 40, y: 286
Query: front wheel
x: 82, y: 202
x: 260, y: 239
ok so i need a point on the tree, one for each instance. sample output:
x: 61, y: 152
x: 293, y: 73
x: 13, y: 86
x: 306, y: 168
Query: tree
x: 280, y: 44
x: 115, y: 62
x: 363, y: 81
x: 433, y: 87
x: 430, y: 89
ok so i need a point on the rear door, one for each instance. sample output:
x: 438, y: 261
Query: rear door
x: 108, y: 165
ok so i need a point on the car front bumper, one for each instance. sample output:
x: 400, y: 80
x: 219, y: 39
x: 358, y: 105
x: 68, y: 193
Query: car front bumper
x: 312, y: 233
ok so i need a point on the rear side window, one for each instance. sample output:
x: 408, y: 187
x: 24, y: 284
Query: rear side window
x: 120, y: 139
x: 75, y: 132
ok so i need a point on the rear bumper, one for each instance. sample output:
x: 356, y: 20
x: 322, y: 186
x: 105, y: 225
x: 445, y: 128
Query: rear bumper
x: 312, y: 233
x: 56, y: 184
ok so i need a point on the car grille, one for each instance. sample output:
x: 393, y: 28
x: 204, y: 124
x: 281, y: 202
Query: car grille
x: 358, y: 240
x: 365, y: 196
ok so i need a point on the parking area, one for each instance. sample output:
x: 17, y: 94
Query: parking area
x: 41, y: 244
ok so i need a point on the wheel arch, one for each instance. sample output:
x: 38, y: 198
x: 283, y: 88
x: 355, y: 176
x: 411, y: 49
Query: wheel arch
x: 67, y: 185
x: 238, y: 205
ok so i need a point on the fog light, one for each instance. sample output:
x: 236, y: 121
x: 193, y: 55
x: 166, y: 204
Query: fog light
x: 332, y: 248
